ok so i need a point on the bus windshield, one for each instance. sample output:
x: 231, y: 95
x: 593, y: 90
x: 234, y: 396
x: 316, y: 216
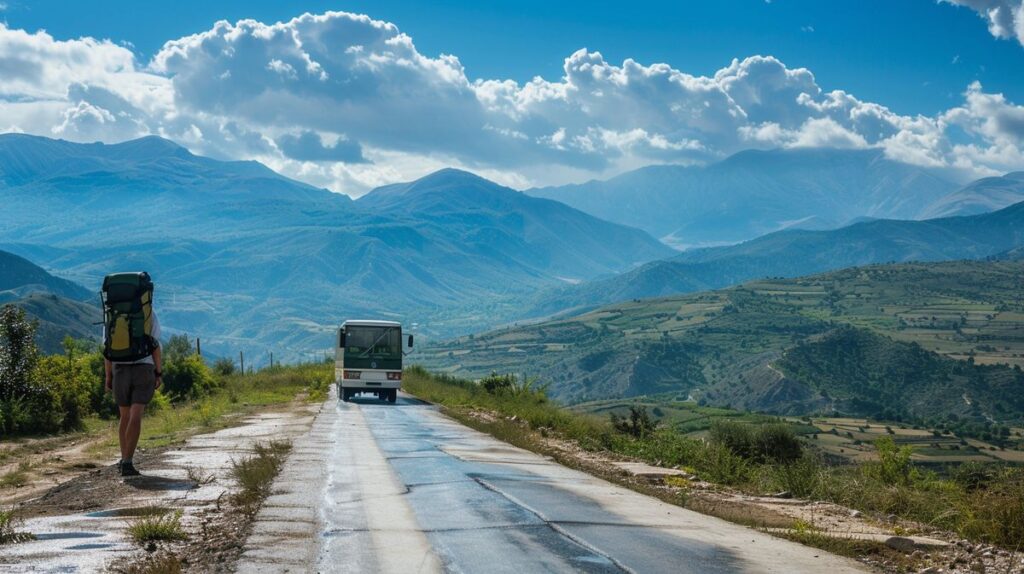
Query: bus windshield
x: 373, y: 342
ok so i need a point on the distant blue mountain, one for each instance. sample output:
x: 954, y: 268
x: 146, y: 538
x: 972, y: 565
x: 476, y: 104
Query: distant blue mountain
x: 981, y: 196
x: 756, y: 192
x: 250, y: 259
x: 793, y: 253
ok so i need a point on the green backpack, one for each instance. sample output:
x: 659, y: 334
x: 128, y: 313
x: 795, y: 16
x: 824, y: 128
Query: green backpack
x: 128, y: 316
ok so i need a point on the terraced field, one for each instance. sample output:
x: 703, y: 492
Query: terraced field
x: 912, y: 341
x: 840, y: 438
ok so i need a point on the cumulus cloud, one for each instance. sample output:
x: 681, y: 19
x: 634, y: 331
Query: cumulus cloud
x: 309, y: 146
x: 348, y: 102
x: 1005, y: 18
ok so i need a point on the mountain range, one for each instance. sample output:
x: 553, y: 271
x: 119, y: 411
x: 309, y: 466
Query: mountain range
x: 798, y: 252
x: 756, y: 192
x: 252, y: 260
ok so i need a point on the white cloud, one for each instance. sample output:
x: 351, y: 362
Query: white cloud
x: 1005, y: 17
x: 348, y: 102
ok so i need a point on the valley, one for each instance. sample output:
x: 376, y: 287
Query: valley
x: 882, y: 341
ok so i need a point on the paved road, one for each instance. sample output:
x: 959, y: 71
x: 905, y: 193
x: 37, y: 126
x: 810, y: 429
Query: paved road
x: 409, y: 490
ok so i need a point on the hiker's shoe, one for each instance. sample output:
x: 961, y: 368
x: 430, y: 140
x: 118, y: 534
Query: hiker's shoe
x: 128, y: 469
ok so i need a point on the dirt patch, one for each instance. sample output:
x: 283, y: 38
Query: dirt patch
x: 47, y: 462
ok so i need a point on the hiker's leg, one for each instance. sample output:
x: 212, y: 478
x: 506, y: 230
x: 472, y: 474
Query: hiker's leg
x: 122, y: 431
x: 134, y: 429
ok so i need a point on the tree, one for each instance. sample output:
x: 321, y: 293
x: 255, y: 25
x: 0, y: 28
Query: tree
x: 24, y: 404
x: 639, y: 424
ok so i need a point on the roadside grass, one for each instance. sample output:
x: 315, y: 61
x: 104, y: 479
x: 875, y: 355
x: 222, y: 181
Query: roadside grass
x: 985, y: 506
x: 160, y: 525
x: 18, y: 477
x: 9, y: 533
x: 255, y: 474
x: 239, y: 395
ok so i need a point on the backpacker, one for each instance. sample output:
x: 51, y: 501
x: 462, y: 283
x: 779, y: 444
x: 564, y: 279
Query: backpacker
x: 128, y: 316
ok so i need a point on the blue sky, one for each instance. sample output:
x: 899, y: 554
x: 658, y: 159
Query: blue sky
x: 916, y: 56
x: 320, y: 93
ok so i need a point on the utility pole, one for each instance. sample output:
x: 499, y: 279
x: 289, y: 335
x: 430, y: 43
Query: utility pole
x: 199, y: 348
x: 241, y: 360
x: 271, y: 359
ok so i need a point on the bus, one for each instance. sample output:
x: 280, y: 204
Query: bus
x: 368, y: 359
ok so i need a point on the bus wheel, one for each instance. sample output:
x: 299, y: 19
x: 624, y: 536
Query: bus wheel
x: 392, y: 395
x: 345, y: 395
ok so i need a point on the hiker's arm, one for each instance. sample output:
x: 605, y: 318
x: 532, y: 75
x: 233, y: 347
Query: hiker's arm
x: 107, y: 378
x: 158, y: 363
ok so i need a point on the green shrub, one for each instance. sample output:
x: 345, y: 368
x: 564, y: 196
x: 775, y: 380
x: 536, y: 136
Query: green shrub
x: 187, y: 377
x: 771, y: 442
x: 224, y: 366
x: 160, y: 402
x: 802, y: 478
x: 495, y: 383
x: 893, y: 467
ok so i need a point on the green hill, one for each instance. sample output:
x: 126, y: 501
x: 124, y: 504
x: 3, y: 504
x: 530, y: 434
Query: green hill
x: 58, y: 317
x: 913, y: 331
x: 19, y: 276
x: 60, y: 307
x: 799, y: 252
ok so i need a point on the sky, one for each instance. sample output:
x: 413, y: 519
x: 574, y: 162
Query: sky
x: 525, y: 92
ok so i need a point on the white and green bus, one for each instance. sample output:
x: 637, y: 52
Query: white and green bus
x: 368, y: 359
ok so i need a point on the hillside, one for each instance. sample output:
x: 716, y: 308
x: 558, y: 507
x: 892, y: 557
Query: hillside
x: 60, y: 307
x: 763, y: 346
x: 756, y: 192
x: 254, y: 261
x: 496, y: 222
x: 981, y: 196
x: 19, y: 276
x: 799, y: 252
x: 58, y: 317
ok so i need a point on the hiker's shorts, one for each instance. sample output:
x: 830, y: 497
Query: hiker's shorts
x: 134, y: 384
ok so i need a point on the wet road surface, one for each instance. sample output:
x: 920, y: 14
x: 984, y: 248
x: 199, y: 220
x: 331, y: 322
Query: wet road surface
x: 409, y: 490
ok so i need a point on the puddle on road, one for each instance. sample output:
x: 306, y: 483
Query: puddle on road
x: 93, y: 546
x: 68, y: 535
x: 130, y: 512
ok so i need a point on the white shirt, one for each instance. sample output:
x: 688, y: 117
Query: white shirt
x: 154, y: 331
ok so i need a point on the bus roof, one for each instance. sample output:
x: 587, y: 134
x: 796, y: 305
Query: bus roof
x: 370, y: 323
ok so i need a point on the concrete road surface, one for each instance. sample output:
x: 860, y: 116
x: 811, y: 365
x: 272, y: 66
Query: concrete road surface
x: 406, y: 489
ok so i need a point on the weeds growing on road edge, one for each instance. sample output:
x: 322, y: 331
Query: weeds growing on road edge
x: 160, y: 525
x: 986, y: 507
x: 8, y: 529
x: 255, y: 474
x: 158, y: 564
